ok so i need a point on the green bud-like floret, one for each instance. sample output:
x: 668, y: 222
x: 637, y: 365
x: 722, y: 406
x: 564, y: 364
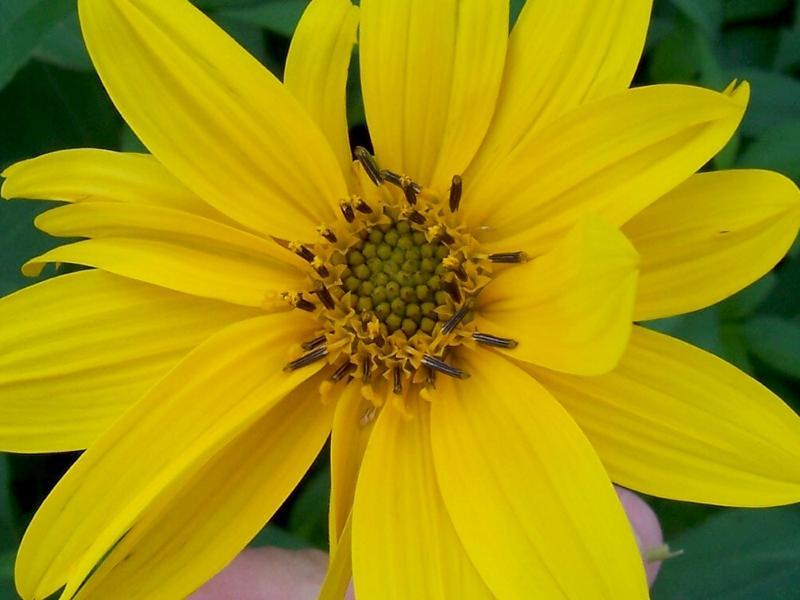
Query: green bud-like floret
x: 394, y: 273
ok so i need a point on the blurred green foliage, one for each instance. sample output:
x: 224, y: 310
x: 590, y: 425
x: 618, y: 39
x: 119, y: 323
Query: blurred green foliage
x: 50, y: 98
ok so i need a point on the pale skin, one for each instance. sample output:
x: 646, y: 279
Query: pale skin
x: 277, y: 574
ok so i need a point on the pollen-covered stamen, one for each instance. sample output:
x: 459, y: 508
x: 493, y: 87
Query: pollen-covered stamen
x: 439, y: 233
x: 442, y: 367
x: 302, y: 251
x: 451, y: 263
x: 319, y: 267
x: 325, y: 297
x: 410, y: 192
x: 455, y: 193
x: 369, y: 164
x: 307, y: 359
x: 297, y: 301
x: 397, y: 380
x: 459, y: 315
x: 492, y: 340
x: 348, y: 213
x: 311, y: 344
x: 451, y: 287
x: 328, y: 234
x: 508, y: 257
x: 343, y: 371
x: 361, y: 206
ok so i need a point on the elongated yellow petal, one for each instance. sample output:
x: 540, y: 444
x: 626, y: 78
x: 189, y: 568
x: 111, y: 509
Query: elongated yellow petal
x: 220, y: 390
x: 202, y: 521
x: 526, y: 492
x: 571, y: 309
x: 562, y: 55
x: 87, y: 174
x: 210, y: 113
x: 76, y: 351
x: 340, y: 567
x: 612, y: 157
x: 430, y: 74
x: 404, y: 544
x: 352, y: 426
x: 677, y: 422
x: 173, y: 249
x: 317, y: 66
x: 710, y: 237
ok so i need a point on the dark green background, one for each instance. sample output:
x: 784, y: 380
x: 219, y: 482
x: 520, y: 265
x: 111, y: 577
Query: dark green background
x: 50, y: 99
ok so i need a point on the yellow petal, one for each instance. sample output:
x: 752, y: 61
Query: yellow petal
x: 404, y: 544
x: 430, y: 73
x: 562, y: 55
x: 211, y: 114
x: 351, y: 430
x: 221, y: 389
x: 202, y: 521
x: 317, y: 66
x: 571, y: 309
x: 711, y: 237
x: 85, y: 175
x: 76, y: 351
x: 173, y: 249
x: 612, y: 157
x: 677, y: 422
x: 340, y: 567
x: 526, y: 492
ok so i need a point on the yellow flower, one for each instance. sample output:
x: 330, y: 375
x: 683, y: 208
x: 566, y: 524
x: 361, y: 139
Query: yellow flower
x: 458, y: 310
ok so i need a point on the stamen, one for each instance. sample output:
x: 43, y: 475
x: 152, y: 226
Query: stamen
x: 343, y: 371
x: 411, y: 194
x: 297, y: 301
x: 319, y: 267
x: 362, y: 206
x: 492, y: 340
x: 451, y: 287
x: 439, y: 233
x: 392, y: 178
x: 451, y: 263
x: 508, y: 257
x: 453, y: 321
x: 439, y: 365
x: 302, y: 251
x: 397, y: 383
x: 370, y: 165
x: 455, y: 193
x: 347, y: 211
x: 307, y: 359
x: 311, y: 344
x: 328, y: 235
x: 366, y: 370
x: 415, y: 217
x: 325, y: 297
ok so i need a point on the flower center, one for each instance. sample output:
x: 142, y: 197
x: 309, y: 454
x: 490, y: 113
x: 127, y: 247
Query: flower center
x: 394, y: 285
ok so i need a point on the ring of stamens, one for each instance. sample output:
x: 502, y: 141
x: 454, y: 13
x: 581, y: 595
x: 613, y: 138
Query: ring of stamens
x: 394, y: 284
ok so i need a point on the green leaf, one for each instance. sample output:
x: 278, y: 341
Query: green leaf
x: 23, y: 24
x: 308, y: 518
x: 63, y: 45
x: 8, y: 538
x: 776, y: 149
x: 749, y: 47
x: 707, y: 14
x: 746, y: 302
x: 749, y: 10
x: 273, y: 535
x: 776, y: 342
x: 736, y: 555
x: 788, y: 55
x: 277, y: 16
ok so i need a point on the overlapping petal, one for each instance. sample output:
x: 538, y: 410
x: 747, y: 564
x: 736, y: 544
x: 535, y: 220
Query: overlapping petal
x: 211, y: 114
x: 404, y: 544
x: 711, y: 237
x: 571, y: 309
x: 76, y: 351
x: 203, y: 520
x: 88, y: 174
x: 612, y: 157
x: 173, y: 249
x: 430, y: 73
x: 217, y: 393
x: 527, y: 494
x: 317, y: 66
x: 677, y: 422
x: 562, y: 55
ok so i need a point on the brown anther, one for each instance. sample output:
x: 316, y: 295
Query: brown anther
x: 410, y: 192
x: 392, y: 178
x: 325, y: 297
x: 311, y: 344
x: 322, y: 270
x: 508, y: 257
x: 328, y: 235
x: 416, y: 217
x: 438, y: 364
x: 361, y: 206
x: 366, y: 370
x: 307, y: 359
x: 451, y: 263
x: 459, y: 315
x: 301, y: 251
x: 297, y: 301
x: 492, y: 340
x: 343, y: 371
x: 397, y: 380
x: 369, y: 164
x: 347, y: 211
x: 439, y: 233
x: 455, y: 193
x: 451, y: 287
